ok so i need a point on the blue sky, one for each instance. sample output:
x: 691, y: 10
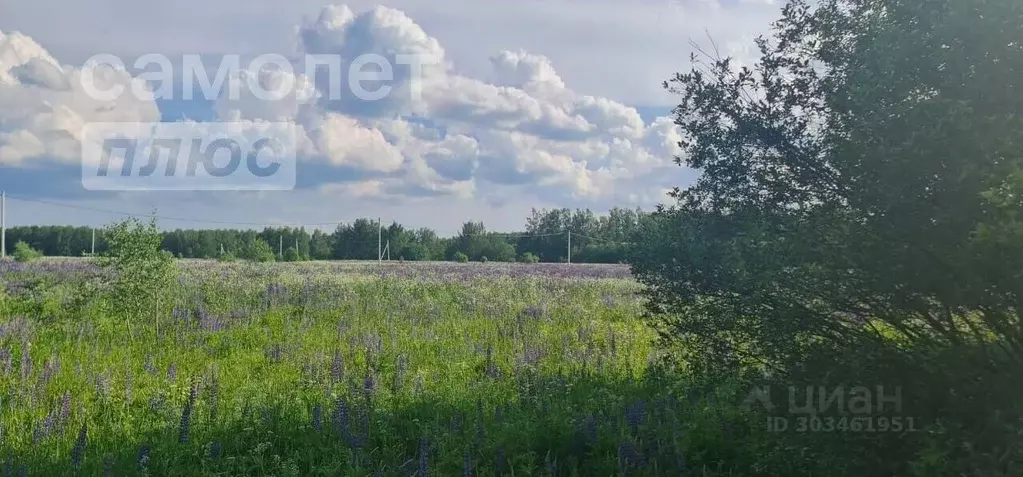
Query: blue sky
x: 554, y: 103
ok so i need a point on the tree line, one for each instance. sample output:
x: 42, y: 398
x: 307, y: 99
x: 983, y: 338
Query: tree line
x: 545, y: 237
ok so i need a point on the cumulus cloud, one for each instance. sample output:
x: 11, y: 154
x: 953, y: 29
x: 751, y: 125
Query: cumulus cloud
x: 43, y: 105
x: 520, y: 125
x: 438, y: 133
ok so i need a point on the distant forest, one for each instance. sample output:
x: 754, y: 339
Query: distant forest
x: 594, y: 239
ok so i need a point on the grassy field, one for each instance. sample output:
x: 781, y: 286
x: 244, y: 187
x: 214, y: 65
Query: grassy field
x: 345, y: 369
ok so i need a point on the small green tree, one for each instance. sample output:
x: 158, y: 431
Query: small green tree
x: 24, y: 253
x: 143, y: 273
x: 461, y: 257
x: 257, y: 250
x: 291, y: 255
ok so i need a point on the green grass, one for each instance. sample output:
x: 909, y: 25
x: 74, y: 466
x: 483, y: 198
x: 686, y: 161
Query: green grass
x: 486, y: 375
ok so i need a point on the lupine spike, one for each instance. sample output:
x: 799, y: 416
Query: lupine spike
x: 424, y: 458
x: 78, y: 452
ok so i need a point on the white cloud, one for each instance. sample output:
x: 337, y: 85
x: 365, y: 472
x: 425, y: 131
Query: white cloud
x: 43, y: 105
x: 518, y: 129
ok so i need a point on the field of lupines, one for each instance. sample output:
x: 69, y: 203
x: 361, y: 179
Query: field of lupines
x: 350, y: 369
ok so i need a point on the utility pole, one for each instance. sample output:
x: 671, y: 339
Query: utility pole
x: 380, y: 241
x: 388, y: 250
x: 280, y: 247
x: 570, y: 246
x: 3, y: 224
x: 221, y: 249
x: 93, y: 242
x: 297, y: 252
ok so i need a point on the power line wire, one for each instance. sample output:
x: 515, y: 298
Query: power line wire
x: 165, y: 217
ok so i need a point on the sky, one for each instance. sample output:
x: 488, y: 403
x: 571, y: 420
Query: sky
x: 526, y: 104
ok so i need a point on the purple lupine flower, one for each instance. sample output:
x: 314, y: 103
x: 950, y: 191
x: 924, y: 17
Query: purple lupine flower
x: 103, y: 385
x: 49, y: 423
x: 78, y: 452
x: 157, y: 401
x: 401, y: 367
x: 50, y: 368
x: 317, y: 417
x: 417, y: 385
x: 64, y: 414
x: 369, y: 384
x: 341, y: 418
x: 628, y: 457
x: 149, y: 366
x: 481, y: 435
x: 612, y: 342
x: 26, y: 362
x: 499, y: 460
x: 274, y: 353
x: 186, y: 414
x: 467, y: 465
x: 456, y: 423
x: 424, y: 457
x: 5, y: 361
x: 363, y: 438
x: 533, y: 312
x: 172, y: 372
x: 127, y: 388
x: 491, y: 369
x: 142, y: 458
x: 337, y: 367
x: 635, y: 415
x: 215, y: 450
x: 590, y: 429
x: 213, y: 392
x: 181, y: 314
x: 108, y: 465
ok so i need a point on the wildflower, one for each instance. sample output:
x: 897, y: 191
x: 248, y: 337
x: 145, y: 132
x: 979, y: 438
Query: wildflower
x: 149, y: 366
x: 341, y: 418
x: 317, y: 417
x: 467, y: 465
x: 142, y: 459
x: 424, y: 454
x: 635, y: 414
x: 186, y: 414
x: 214, y: 397
x: 127, y: 388
x: 337, y: 367
x: 108, y: 465
x: 78, y: 452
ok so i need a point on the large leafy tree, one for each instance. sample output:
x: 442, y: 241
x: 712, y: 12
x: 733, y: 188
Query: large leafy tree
x: 860, y: 191
x: 867, y: 166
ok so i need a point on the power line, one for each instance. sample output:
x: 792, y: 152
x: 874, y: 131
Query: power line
x: 164, y: 217
x: 602, y: 239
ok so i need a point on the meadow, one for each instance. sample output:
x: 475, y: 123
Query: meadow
x: 349, y: 368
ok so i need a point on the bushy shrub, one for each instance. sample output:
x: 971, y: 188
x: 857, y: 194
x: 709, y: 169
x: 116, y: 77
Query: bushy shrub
x: 292, y: 255
x: 461, y: 257
x: 227, y: 257
x: 24, y: 253
x: 529, y: 258
x: 257, y: 250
